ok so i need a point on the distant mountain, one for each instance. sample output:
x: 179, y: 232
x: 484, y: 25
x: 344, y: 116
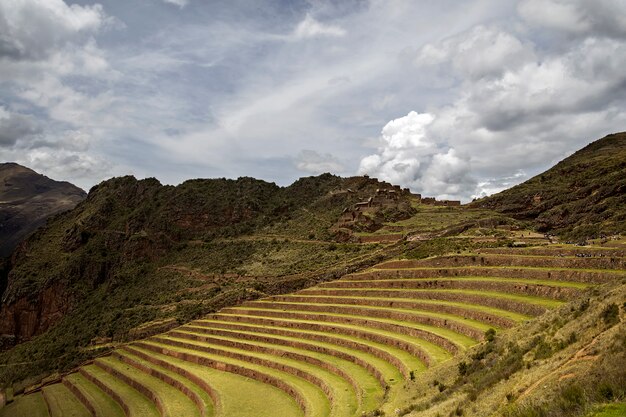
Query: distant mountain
x: 27, y: 200
x: 583, y: 196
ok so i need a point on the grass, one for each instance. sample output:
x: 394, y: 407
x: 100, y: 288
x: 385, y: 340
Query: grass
x: 344, y: 398
x: 26, y: 405
x: 230, y: 387
x: 102, y: 403
x: 368, y: 390
x: 175, y: 403
x: 389, y: 372
x: 549, y: 283
x: 435, y: 352
x: 317, y: 403
x: 485, y: 309
x: 63, y: 403
x: 138, y: 404
x: 409, y: 361
x: 324, y: 306
x: 206, y: 399
x: 610, y: 410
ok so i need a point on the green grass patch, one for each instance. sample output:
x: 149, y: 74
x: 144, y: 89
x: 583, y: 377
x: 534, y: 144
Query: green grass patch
x: 32, y: 405
x: 138, y: 404
x: 230, y: 387
x: 476, y: 307
x: 317, y: 403
x: 102, y: 403
x: 63, y: 403
x: 175, y: 403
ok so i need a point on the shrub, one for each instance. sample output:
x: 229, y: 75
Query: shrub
x: 610, y: 314
x: 490, y: 335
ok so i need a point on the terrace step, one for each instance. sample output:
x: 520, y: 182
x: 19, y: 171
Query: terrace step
x: 557, y: 251
x: 130, y: 400
x: 366, y: 361
x: 196, y: 394
x: 512, y: 273
x: 94, y: 399
x: 31, y: 405
x: 526, y: 305
x: 469, y: 327
x: 340, y: 389
x: 169, y: 401
x: 309, y: 397
x: 360, y: 379
x: 63, y: 403
x: 562, y: 293
x: 490, y: 315
x: 227, y: 387
x: 402, y: 361
x: 519, y: 260
x: 385, y: 333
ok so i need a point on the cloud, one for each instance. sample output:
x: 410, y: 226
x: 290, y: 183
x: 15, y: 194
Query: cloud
x: 579, y: 17
x: 314, y: 163
x: 410, y: 156
x: 479, y: 53
x: 311, y: 28
x: 15, y: 127
x: 32, y: 29
x: 179, y: 3
x: 517, y: 111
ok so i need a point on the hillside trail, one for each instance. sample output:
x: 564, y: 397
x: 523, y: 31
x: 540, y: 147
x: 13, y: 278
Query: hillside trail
x: 580, y: 355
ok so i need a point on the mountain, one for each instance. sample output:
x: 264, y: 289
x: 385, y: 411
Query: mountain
x: 581, y: 197
x: 27, y: 200
x: 137, y: 256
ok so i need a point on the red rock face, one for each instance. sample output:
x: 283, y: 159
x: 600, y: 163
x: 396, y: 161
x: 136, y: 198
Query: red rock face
x: 25, y: 318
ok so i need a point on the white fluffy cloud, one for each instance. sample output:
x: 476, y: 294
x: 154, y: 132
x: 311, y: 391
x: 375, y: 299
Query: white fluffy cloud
x: 517, y: 110
x: 312, y: 28
x: 410, y: 156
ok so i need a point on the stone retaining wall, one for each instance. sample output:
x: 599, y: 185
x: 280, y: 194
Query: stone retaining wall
x: 502, y: 303
x: 504, y: 261
x: 555, y: 251
x: 412, y: 317
x: 294, y: 344
x: 350, y: 344
x: 275, y: 352
x: 107, y: 390
x: 147, y: 392
x: 307, y: 376
x: 234, y: 369
x: 204, y: 385
x: 572, y: 275
x: 195, y: 398
x: 81, y: 396
x: 511, y: 287
x: 466, y: 312
x: 360, y: 333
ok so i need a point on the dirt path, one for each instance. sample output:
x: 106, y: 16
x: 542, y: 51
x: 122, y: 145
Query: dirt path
x: 580, y: 355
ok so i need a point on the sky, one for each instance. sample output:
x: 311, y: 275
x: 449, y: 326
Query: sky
x: 451, y: 98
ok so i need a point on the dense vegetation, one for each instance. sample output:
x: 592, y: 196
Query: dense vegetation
x: 137, y: 257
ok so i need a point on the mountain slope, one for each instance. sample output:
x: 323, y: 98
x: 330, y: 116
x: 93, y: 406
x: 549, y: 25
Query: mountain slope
x: 137, y: 256
x: 581, y: 197
x: 27, y: 199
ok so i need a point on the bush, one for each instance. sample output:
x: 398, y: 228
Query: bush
x: 610, y: 315
x: 490, y: 335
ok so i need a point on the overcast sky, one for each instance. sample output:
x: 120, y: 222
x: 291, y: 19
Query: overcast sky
x: 451, y: 98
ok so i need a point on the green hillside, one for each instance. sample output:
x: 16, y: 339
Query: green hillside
x: 583, y: 196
